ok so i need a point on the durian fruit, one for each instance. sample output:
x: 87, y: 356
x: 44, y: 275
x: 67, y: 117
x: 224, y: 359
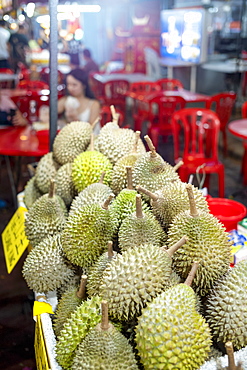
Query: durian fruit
x: 226, y: 309
x: 96, y: 272
x: 104, y: 347
x: 231, y: 360
x: 47, y: 216
x: 172, y: 199
x: 70, y: 300
x: 46, y: 171
x: 119, y: 180
x: 135, y: 278
x: 64, y: 184
x: 72, y: 140
x: 87, y: 168
x: 140, y: 228
x: 45, y: 267
x: 93, y: 193
x: 115, y: 142
x: 170, y: 333
x: 151, y: 171
x: 86, y: 316
x: 208, y: 243
x: 86, y: 234
x: 31, y: 192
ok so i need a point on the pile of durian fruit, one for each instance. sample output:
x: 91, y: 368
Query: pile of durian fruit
x: 140, y: 267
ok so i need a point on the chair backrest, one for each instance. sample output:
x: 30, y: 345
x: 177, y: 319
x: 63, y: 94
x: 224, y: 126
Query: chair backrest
x: 144, y: 87
x: 171, y: 84
x: 196, y: 132
x: 115, y: 89
x: 32, y: 84
x: 222, y: 104
x: 106, y: 115
x: 161, y: 109
x: 152, y: 63
x: 30, y: 105
x: 244, y: 110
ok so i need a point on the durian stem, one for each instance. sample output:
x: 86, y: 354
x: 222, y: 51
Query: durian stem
x: 110, y: 249
x: 139, y: 213
x: 92, y: 142
x: 192, y: 273
x: 101, y: 180
x: 52, y: 189
x: 176, y: 246
x: 113, y: 111
x: 193, y: 209
x: 104, y: 319
x: 41, y: 298
x: 150, y: 146
x: 230, y: 354
x: 129, y: 177
x: 151, y: 195
x: 95, y: 122
x: 137, y: 134
x: 81, y: 293
x: 31, y: 170
x: 108, y: 201
x: 178, y: 165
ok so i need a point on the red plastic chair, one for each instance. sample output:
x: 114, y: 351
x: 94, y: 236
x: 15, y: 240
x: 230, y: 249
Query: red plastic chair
x: 170, y: 84
x: 115, y: 93
x: 244, y: 160
x: 196, y: 133
x: 222, y: 104
x: 6, y: 71
x: 31, y: 84
x: 96, y: 86
x: 106, y: 116
x: 30, y: 105
x: 161, y: 109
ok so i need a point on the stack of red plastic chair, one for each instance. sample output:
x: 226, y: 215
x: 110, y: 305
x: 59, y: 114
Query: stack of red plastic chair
x: 106, y: 116
x: 170, y: 84
x: 29, y: 105
x: 196, y: 133
x: 32, y: 84
x: 6, y: 84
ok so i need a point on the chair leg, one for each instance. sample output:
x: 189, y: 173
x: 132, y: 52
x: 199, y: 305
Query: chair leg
x: 244, y: 165
x: 221, y: 178
x: 11, y: 180
x: 224, y: 143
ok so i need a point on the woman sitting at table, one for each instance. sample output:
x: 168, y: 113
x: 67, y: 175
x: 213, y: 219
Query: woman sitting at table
x: 80, y: 104
x: 9, y: 113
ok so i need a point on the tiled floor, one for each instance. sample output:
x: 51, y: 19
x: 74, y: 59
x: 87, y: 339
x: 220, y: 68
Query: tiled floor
x: 16, y: 323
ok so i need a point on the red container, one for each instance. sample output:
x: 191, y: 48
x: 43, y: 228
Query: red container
x: 43, y: 137
x: 228, y: 211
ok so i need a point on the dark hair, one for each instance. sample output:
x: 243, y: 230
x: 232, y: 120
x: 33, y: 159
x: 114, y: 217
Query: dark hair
x: 82, y: 76
x: 2, y: 22
x: 87, y: 53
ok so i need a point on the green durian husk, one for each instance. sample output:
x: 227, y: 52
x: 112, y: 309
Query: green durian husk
x: 31, y: 192
x: 45, y: 172
x: 119, y: 178
x: 64, y: 184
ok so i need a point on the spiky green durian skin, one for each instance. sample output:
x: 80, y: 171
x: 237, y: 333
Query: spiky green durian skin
x: 94, y: 193
x: 133, y: 279
x: 104, y: 349
x: 85, y: 317
x: 208, y: 242
x: 72, y: 140
x: 136, y: 231
x: 86, y: 234
x: 171, y: 334
x: 31, y: 193
x: 173, y: 199
x: 95, y: 274
x: 47, y: 216
x: 45, y: 172
x: 64, y: 184
x: 119, y: 174
x: 153, y: 173
x: 226, y: 309
x: 65, y: 307
x: 45, y: 268
x: 88, y: 167
x: 115, y: 142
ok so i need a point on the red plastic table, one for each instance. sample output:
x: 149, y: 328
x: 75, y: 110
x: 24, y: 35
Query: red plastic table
x: 239, y: 128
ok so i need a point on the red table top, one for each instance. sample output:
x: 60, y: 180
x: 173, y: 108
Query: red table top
x: 24, y: 92
x: 239, y: 128
x: 21, y: 141
x: 186, y: 94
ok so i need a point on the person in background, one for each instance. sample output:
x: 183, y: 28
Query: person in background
x: 90, y: 65
x: 80, y: 104
x: 72, y: 47
x: 4, y: 48
x: 19, y: 47
x: 9, y: 113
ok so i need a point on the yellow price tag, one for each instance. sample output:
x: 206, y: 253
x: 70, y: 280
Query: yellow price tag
x: 40, y: 348
x: 41, y: 307
x: 14, y: 239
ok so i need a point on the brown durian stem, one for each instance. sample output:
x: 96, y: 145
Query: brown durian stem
x: 137, y: 134
x: 230, y: 354
x: 81, y: 292
x: 151, y: 195
x: 95, y: 122
x: 110, y: 249
x: 178, y: 165
x: 113, y: 111
x: 92, y: 142
x: 139, y: 213
x: 31, y: 170
x: 150, y: 146
x: 176, y: 246
x: 104, y: 319
x: 193, y: 209
x: 108, y: 201
x: 52, y: 189
x: 240, y: 366
x: 129, y: 177
x: 101, y: 180
x: 192, y: 273
x: 41, y: 298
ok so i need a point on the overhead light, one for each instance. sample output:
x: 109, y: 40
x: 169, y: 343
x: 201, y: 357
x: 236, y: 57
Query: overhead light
x: 78, y: 8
